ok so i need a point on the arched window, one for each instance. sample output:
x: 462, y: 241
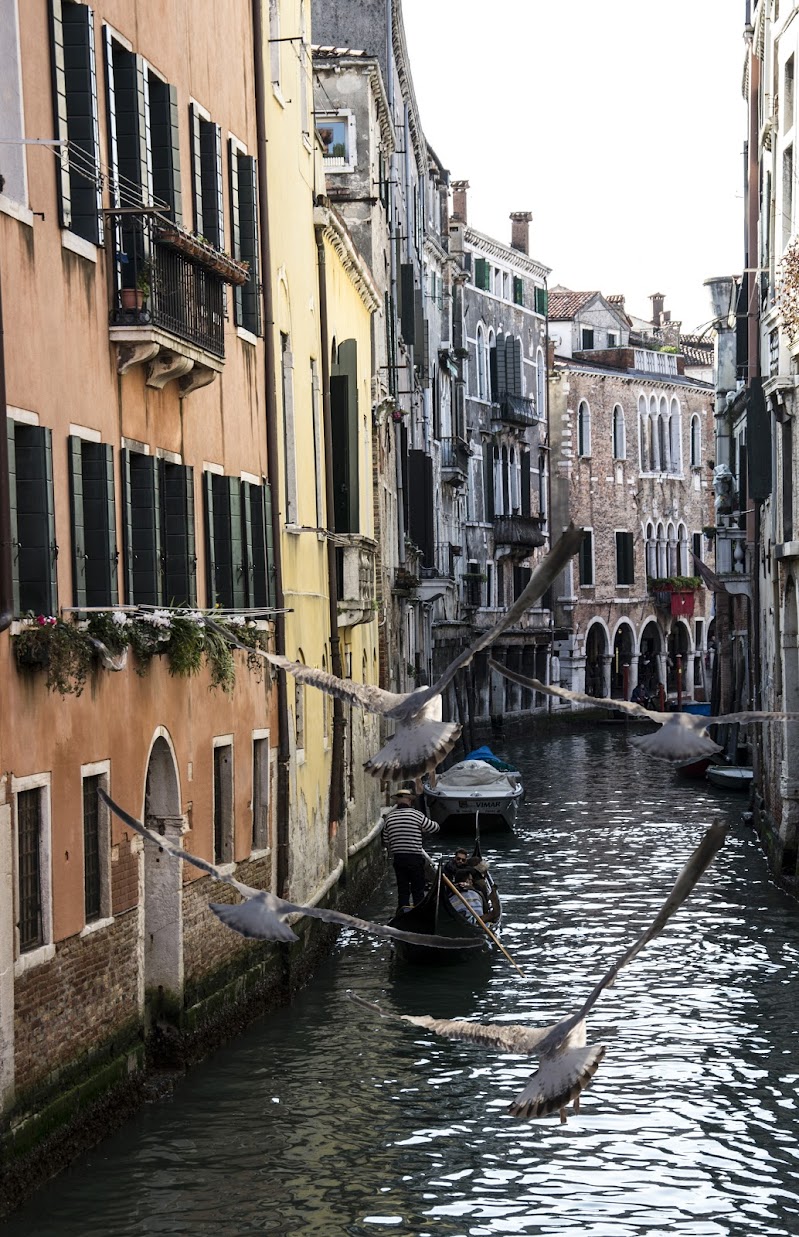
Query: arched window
x: 671, y: 559
x: 662, y: 560
x: 505, y: 482
x: 492, y: 394
x: 643, y: 436
x: 696, y: 442
x: 619, y: 434
x: 540, y: 384
x: 654, y: 437
x: 664, y: 436
x: 675, y: 432
x: 482, y: 367
x: 683, y: 564
x: 651, y: 552
x: 583, y: 429
x: 542, y: 485
x: 515, y: 482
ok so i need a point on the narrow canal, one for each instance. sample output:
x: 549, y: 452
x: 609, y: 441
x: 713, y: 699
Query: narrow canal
x: 321, y: 1120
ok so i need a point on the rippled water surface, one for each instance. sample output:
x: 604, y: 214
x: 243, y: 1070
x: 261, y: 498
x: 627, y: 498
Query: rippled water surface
x: 325, y: 1120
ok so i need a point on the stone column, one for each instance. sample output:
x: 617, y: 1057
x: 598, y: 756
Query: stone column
x: 606, y: 662
x: 633, y: 672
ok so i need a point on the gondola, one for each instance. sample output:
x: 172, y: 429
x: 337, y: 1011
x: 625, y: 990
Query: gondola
x: 435, y: 915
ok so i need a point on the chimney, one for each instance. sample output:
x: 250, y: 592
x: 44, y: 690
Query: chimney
x: 550, y: 354
x: 657, y: 299
x: 459, y: 188
x: 520, y: 230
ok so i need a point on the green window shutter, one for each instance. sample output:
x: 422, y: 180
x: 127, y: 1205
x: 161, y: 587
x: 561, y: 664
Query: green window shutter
x: 418, y: 326
x: 59, y: 86
x: 191, y: 536
x: 518, y: 290
x: 111, y: 525
x: 248, y: 223
x: 238, y: 557
x: 210, y: 541
x: 98, y: 533
x: 165, y: 142
x: 235, y: 227
x: 518, y: 379
x: 110, y: 98
x: 510, y: 383
x: 80, y: 75
x: 142, y: 529
x: 211, y: 182
x: 246, y: 529
x: 482, y: 274
x: 501, y: 368
x: 174, y: 146
x: 36, y: 547
x: 541, y: 301
x: 260, y: 552
x: 12, y: 498
x: 269, y: 541
x: 525, y: 482
x: 75, y: 459
x: 196, y: 170
x: 177, y: 534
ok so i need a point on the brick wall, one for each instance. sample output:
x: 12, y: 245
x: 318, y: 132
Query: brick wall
x: 209, y: 946
x: 69, y: 1006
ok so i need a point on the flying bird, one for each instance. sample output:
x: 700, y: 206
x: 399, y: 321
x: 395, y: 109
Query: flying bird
x: 683, y: 737
x: 421, y: 739
x: 262, y: 916
x: 566, y: 1061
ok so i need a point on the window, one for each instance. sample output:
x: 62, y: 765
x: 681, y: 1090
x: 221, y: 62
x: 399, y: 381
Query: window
x: 787, y: 94
x: 541, y: 301
x: 613, y: 339
x: 675, y: 437
x: 239, y: 542
x: 289, y: 459
x: 260, y: 790
x: 33, y: 877
x: 223, y: 799
x: 482, y: 367
x: 587, y: 339
x: 206, y: 176
x: 30, y: 465
x: 75, y: 102
x: 94, y: 538
x: 96, y: 849
x: 540, y: 383
x: 128, y: 139
x: 518, y: 290
x: 619, y: 434
x: 583, y: 429
x: 651, y: 553
x: 244, y: 236
x: 625, y: 561
x: 696, y: 546
x: 643, y: 434
x: 336, y: 132
x: 586, y: 559
x: 12, y: 119
x: 141, y: 497
x: 482, y: 274
x: 473, y: 584
x: 696, y: 442
x: 787, y: 195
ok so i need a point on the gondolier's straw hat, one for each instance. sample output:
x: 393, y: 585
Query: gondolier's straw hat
x: 404, y: 792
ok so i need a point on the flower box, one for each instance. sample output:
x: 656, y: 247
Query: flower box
x: 230, y: 270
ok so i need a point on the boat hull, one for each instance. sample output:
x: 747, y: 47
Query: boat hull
x: 730, y: 777
x: 435, y: 916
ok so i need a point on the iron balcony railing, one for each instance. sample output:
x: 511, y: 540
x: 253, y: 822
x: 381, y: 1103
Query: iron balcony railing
x: 518, y: 531
x: 515, y: 410
x: 155, y: 285
x: 454, y: 456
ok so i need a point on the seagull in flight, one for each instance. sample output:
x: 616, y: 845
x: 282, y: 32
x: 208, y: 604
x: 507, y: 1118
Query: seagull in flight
x: 566, y: 1061
x: 262, y: 916
x: 421, y: 739
x: 683, y: 737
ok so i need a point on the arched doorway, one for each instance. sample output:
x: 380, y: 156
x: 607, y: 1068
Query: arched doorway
x: 678, y: 646
x: 163, y: 883
x: 596, y: 651
x: 649, y: 659
x: 622, y: 656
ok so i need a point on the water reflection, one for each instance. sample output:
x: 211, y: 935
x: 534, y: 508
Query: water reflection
x: 324, y: 1120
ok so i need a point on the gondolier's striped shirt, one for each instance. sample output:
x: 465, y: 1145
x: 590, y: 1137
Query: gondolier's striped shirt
x: 403, y: 830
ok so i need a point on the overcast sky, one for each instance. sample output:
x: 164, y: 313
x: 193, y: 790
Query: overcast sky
x: 619, y: 123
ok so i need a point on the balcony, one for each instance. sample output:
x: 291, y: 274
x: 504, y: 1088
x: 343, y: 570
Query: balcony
x: 515, y: 410
x: 519, y: 533
x: 355, y: 579
x: 169, y: 307
x: 455, y: 455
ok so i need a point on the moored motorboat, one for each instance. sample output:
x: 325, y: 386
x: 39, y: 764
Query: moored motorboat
x: 730, y: 777
x: 436, y: 915
x: 488, y: 786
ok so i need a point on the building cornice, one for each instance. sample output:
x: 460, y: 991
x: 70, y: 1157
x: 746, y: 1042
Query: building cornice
x: 505, y: 253
x: 329, y: 224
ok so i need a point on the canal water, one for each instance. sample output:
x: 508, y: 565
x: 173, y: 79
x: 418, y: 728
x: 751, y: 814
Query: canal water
x: 323, y: 1119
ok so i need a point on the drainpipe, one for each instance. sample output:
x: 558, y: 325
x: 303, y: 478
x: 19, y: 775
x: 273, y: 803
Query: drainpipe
x: 6, y: 581
x: 753, y: 352
x: 283, y: 806
x: 336, y: 805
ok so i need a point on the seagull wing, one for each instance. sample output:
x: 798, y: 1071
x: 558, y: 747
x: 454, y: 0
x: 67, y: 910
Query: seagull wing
x: 558, y: 1080
x: 504, y: 1036
x: 562, y: 693
x: 254, y: 918
x: 698, y: 862
x: 381, y: 929
x: 545, y: 574
x: 415, y: 747
x: 176, y: 852
x: 682, y: 737
x: 751, y: 716
x: 713, y: 582
x: 367, y: 695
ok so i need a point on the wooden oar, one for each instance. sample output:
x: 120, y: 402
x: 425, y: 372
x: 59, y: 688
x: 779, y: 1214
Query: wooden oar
x: 481, y: 922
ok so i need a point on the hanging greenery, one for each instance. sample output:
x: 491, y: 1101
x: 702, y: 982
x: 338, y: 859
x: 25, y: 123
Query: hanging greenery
x: 788, y: 290
x: 69, y: 652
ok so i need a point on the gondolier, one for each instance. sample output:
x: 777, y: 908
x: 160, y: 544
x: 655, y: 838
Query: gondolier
x: 403, y: 833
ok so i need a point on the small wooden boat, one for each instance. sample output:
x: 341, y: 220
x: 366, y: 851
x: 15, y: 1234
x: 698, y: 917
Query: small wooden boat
x: 481, y: 783
x: 436, y: 915
x: 730, y: 777
x: 693, y: 768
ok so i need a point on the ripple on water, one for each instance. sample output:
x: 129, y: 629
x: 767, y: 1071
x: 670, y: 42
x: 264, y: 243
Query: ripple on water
x: 323, y: 1120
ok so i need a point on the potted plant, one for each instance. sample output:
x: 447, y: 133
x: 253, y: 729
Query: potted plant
x: 134, y: 298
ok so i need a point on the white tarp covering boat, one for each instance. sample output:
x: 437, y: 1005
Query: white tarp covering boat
x: 472, y: 786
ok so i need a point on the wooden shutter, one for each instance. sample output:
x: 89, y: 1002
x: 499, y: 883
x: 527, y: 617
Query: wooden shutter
x: 210, y: 541
x: 247, y: 536
x: 59, y: 86
x: 142, y: 524
x: 110, y: 99
x: 257, y: 550
x: 238, y: 558
x: 235, y: 228
x: 36, y: 548
x: 12, y: 499
x: 111, y: 525
x: 518, y: 290
x: 177, y: 534
x: 165, y: 143
x: 541, y: 301
x: 488, y: 480
x: 418, y: 325
x: 407, y: 303
x: 248, y: 225
x: 80, y: 74
x: 482, y: 274
x: 75, y: 459
x: 525, y: 482
x: 196, y: 170
x: 586, y: 558
x: 502, y: 369
x: 269, y: 539
x: 211, y: 183
x: 518, y: 384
